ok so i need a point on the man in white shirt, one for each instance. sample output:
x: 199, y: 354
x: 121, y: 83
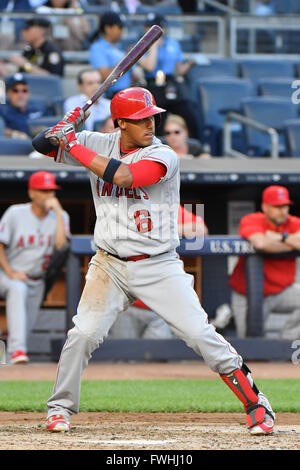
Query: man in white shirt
x: 88, y: 81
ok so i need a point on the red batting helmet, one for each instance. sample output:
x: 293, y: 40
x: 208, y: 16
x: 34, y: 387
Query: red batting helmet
x: 133, y: 103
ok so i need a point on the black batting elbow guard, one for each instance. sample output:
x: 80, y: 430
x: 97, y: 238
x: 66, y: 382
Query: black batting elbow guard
x: 41, y: 144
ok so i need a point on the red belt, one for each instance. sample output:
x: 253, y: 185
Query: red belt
x: 130, y: 258
x: 34, y: 278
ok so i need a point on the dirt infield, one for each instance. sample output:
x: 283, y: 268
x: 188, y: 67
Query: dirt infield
x: 153, y: 431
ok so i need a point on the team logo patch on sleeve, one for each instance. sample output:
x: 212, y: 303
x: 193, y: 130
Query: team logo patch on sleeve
x: 54, y: 58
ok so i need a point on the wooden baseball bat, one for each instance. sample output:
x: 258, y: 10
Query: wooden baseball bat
x: 135, y: 53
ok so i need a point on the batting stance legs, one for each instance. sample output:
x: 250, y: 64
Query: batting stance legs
x: 161, y: 283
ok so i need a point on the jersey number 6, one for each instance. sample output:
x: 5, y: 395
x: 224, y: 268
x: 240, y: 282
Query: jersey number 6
x: 143, y: 221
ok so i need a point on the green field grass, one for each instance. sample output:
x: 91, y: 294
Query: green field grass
x: 169, y: 395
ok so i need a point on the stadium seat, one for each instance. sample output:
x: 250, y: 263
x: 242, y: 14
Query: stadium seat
x: 9, y: 146
x: 257, y: 69
x: 283, y: 6
x: 292, y: 137
x: 36, y: 125
x: 272, y: 112
x: 275, y: 87
x: 47, y: 87
x: 216, y: 68
x: 281, y: 87
x: 287, y: 7
x: 2, y: 125
x: 217, y: 97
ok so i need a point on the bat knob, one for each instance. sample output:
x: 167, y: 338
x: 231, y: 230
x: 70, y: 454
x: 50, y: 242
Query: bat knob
x: 54, y: 141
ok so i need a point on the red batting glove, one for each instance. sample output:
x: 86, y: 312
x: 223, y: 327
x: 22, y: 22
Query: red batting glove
x: 64, y: 134
x: 76, y: 117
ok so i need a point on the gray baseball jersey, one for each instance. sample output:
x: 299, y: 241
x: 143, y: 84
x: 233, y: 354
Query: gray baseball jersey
x: 29, y: 240
x: 133, y: 221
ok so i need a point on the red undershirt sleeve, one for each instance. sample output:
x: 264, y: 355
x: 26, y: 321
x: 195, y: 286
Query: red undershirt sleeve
x: 146, y: 172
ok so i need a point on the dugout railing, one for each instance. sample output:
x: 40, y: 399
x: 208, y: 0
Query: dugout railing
x: 254, y: 347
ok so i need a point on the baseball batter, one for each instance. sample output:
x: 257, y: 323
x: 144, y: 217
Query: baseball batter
x: 29, y: 234
x: 135, y: 186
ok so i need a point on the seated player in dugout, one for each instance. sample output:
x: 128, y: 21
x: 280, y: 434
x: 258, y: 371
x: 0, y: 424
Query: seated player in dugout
x: 31, y: 234
x: 271, y: 230
x: 135, y: 185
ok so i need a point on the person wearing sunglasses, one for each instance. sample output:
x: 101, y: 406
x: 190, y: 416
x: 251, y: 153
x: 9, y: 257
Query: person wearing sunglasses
x: 176, y: 136
x: 18, y: 110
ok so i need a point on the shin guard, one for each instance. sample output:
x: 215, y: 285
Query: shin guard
x: 242, y: 385
x: 238, y: 382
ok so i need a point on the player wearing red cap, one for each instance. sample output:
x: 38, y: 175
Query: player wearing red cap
x: 135, y: 184
x: 29, y: 234
x: 273, y: 230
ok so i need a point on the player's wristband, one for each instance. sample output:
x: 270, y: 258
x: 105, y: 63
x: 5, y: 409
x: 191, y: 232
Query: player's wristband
x: 110, y: 170
x: 82, y: 154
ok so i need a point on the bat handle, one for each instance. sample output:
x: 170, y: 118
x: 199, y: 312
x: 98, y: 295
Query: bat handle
x: 54, y: 141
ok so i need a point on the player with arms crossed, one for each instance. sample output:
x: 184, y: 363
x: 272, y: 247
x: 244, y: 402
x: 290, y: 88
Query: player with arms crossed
x: 135, y: 185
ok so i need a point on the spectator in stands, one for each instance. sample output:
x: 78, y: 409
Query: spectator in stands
x: 264, y: 7
x: 29, y: 235
x: 40, y: 55
x: 164, y: 69
x: 177, y: 137
x: 88, y: 81
x: 18, y: 110
x: 138, y: 321
x: 69, y: 32
x: 105, y: 52
x: 273, y: 230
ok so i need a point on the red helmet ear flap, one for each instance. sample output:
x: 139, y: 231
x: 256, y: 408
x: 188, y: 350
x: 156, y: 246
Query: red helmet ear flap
x: 133, y: 103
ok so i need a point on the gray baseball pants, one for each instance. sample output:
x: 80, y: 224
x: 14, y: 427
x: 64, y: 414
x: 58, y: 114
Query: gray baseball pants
x: 111, y: 284
x: 23, y: 300
x: 286, y: 301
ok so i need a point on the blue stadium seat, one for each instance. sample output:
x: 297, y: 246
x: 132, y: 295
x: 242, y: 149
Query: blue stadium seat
x: 283, y: 6
x: 272, y: 112
x: 287, y: 7
x: 216, y: 68
x: 275, y: 87
x: 256, y: 69
x: 2, y: 125
x: 217, y: 97
x: 36, y: 125
x: 9, y: 146
x: 292, y: 137
x: 47, y: 87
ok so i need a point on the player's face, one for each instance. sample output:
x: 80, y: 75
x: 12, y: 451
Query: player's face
x: 137, y: 133
x: 40, y: 196
x: 276, y: 214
